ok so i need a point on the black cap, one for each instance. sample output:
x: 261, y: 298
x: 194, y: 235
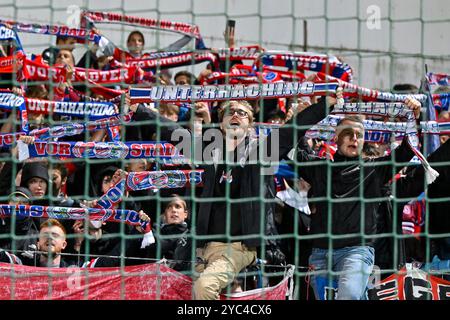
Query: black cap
x: 32, y: 170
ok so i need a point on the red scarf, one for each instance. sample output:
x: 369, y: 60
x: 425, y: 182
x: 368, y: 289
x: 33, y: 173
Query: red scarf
x: 37, y: 70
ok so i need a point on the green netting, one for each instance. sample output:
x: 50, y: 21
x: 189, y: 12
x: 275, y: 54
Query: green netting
x: 384, y: 42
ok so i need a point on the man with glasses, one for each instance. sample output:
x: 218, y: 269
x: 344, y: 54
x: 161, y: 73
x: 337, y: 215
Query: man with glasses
x: 230, y: 231
x: 232, y: 218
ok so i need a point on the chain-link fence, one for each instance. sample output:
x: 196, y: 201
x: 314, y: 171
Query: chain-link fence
x: 298, y: 208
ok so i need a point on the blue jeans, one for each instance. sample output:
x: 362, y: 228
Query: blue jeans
x: 354, y: 265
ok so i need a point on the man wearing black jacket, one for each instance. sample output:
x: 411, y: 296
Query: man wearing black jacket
x: 234, y: 188
x: 349, y: 251
x: 52, y: 241
x: 176, y: 243
x: 242, y: 181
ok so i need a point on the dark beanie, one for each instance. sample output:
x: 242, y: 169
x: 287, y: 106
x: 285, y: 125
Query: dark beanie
x: 31, y: 170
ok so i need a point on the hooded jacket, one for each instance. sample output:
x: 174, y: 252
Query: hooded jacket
x: 250, y: 176
x: 253, y: 185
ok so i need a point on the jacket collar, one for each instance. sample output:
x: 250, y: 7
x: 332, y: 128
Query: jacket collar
x: 338, y: 157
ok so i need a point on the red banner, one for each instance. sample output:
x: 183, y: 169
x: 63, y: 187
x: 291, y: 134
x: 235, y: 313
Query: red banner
x: 411, y: 284
x: 142, y: 282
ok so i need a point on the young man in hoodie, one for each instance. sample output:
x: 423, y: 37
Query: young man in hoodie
x: 35, y: 178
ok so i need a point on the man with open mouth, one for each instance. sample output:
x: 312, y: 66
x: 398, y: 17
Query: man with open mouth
x: 351, y: 222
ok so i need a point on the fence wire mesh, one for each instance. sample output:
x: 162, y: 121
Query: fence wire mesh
x: 390, y: 47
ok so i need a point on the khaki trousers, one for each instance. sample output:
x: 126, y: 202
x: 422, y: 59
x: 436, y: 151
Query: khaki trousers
x: 224, y: 262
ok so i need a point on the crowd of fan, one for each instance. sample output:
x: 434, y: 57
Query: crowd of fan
x: 61, y: 243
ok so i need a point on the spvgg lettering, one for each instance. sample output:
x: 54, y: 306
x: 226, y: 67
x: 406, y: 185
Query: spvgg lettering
x: 239, y: 53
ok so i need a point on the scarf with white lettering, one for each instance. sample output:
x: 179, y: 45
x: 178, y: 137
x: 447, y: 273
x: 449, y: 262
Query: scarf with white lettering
x: 71, y: 129
x: 7, y: 34
x: 181, y: 58
x: 127, y: 75
x: 37, y: 70
x: 152, y: 151
x: 385, y: 109
x: 407, y: 128
x: 435, y: 127
x: 371, y: 136
x: 331, y: 121
x: 81, y: 35
x: 307, y: 61
x: 10, y: 102
x: 230, y: 92
x: 247, y: 75
x: 185, y: 58
x: 353, y: 90
x: 12, y: 63
x: 239, y: 53
x: 380, y: 127
x: 92, y: 110
x: 129, y: 217
x: 91, y: 17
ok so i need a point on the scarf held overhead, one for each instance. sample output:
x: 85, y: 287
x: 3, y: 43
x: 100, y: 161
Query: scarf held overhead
x: 92, y: 110
x: 109, y: 17
x: 230, y: 92
x: 11, y: 102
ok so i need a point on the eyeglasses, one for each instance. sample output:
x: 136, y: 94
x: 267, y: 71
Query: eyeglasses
x: 240, y: 113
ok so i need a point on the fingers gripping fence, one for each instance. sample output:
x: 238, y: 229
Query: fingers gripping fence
x: 247, y: 137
